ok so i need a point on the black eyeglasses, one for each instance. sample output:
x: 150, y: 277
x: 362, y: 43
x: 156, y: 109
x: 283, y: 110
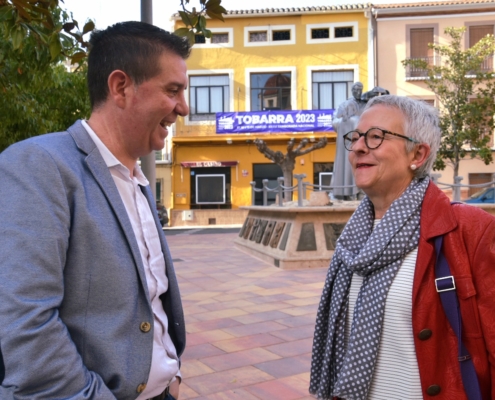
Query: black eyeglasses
x: 373, y: 138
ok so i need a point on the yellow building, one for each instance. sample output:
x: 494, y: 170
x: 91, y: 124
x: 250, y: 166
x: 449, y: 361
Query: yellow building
x: 287, y: 59
x: 404, y: 30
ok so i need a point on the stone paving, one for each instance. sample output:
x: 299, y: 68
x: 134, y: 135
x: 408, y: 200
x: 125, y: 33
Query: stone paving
x: 249, y: 325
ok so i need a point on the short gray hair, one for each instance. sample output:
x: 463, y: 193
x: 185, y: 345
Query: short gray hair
x: 420, y: 123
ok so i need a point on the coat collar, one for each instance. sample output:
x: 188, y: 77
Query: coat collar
x: 437, y: 216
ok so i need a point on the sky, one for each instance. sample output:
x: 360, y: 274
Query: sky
x: 108, y: 12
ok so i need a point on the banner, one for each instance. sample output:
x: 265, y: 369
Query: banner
x: 275, y: 121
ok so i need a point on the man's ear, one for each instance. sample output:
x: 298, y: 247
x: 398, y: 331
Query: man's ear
x: 118, y: 83
x: 420, y: 154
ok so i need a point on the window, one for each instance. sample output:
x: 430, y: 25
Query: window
x: 281, y: 35
x: 210, y: 188
x: 208, y: 95
x: 270, y: 91
x: 270, y: 172
x: 323, y: 33
x: 476, y: 33
x: 220, y: 38
x: 418, y: 38
x: 158, y: 188
x: 331, y: 88
x: 332, y: 33
x: 343, y: 32
x: 322, y: 174
x: 270, y: 35
x: 199, y: 39
x: 258, y: 36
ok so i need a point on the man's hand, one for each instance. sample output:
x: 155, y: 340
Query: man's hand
x: 174, y: 389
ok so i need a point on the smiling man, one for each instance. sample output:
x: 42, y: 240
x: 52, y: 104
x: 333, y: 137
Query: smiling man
x: 89, y: 302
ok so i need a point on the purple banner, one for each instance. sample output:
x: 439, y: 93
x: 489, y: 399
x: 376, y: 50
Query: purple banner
x: 275, y: 121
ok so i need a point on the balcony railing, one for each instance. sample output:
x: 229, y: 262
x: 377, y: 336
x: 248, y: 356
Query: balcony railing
x: 413, y: 72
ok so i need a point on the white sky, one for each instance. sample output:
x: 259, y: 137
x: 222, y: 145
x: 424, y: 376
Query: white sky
x: 108, y: 12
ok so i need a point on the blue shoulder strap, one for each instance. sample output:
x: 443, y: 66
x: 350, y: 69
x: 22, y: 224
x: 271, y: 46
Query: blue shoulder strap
x: 445, y: 285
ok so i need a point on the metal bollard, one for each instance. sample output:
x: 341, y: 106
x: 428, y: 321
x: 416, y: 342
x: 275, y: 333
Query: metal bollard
x: 300, y: 178
x: 265, y: 192
x: 280, y: 188
x: 456, y: 192
x: 253, y: 192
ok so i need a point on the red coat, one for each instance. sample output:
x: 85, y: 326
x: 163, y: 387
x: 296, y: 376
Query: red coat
x: 469, y: 246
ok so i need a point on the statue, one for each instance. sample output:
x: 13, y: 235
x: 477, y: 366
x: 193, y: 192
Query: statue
x: 287, y: 161
x: 345, y: 120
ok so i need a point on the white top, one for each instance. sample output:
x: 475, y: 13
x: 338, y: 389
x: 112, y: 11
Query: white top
x: 164, y: 361
x: 396, y: 374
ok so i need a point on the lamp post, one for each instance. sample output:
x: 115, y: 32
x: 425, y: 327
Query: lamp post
x: 148, y: 164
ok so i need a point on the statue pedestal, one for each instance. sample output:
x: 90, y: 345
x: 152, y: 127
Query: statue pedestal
x: 293, y: 237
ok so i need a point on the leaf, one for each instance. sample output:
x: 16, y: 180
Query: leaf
x: 88, y: 27
x: 182, y: 32
x: 68, y: 26
x: 55, y: 46
x: 17, y: 38
x: 213, y: 15
x: 212, y: 3
x: 191, y: 37
x: 77, y: 57
x: 201, y: 23
x: 185, y: 18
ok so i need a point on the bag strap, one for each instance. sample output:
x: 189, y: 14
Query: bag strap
x: 445, y: 285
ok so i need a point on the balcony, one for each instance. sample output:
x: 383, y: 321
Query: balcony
x: 414, y: 73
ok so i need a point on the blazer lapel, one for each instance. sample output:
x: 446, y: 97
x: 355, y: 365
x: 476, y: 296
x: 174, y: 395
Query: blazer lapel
x: 102, y: 176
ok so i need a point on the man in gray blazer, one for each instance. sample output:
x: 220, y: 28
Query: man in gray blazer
x: 89, y: 302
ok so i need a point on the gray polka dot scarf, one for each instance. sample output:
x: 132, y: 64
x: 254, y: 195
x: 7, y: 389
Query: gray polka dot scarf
x: 377, y: 256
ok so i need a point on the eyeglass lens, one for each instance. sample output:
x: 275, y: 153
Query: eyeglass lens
x: 373, y: 138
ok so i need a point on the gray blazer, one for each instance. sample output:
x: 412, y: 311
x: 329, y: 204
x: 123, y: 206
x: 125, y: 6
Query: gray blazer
x: 73, y: 291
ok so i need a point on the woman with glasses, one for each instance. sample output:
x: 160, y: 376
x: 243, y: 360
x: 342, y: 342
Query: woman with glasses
x: 381, y: 330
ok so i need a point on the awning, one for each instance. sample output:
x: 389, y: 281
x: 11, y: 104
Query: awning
x: 207, y: 164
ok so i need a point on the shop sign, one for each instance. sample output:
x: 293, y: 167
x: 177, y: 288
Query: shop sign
x: 275, y: 121
x: 206, y: 164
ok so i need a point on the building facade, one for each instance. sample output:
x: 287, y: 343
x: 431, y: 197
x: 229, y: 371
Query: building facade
x: 304, y: 58
x: 403, y: 31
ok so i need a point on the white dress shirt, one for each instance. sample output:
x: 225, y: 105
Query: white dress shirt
x: 164, y: 361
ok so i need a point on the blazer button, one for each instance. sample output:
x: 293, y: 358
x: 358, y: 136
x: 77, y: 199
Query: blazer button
x: 425, y: 334
x: 141, y: 387
x: 433, y: 390
x: 145, y: 327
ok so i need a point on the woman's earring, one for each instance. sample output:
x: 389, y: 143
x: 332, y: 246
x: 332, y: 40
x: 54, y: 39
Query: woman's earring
x: 413, y: 167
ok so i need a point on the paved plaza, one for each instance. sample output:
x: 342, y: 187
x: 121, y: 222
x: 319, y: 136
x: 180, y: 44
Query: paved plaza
x: 249, y: 325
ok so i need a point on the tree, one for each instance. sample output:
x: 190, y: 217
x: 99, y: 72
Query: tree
x: 39, y: 95
x: 465, y: 91
x: 287, y: 161
x: 195, y: 21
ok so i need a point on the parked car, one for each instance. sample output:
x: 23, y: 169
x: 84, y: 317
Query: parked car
x: 162, y: 213
x: 486, y: 195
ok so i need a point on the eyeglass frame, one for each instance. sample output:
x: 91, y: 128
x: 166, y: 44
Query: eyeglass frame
x: 365, y: 135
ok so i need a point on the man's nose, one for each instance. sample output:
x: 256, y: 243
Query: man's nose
x: 181, y: 107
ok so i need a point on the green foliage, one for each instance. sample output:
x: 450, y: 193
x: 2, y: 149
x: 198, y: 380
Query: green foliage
x: 195, y: 21
x: 466, y: 94
x: 38, y: 94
